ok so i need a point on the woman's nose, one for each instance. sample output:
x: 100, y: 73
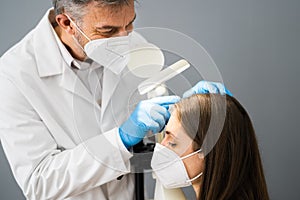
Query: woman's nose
x: 164, y: 142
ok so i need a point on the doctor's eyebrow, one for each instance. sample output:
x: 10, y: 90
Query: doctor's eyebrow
x: 110, y: 27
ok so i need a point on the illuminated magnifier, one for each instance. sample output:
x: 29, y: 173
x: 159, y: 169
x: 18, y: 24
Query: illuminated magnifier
x: 163, y: 76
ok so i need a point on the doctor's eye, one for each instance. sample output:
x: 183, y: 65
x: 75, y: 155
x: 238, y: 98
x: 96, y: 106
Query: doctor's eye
x: 108, y: 32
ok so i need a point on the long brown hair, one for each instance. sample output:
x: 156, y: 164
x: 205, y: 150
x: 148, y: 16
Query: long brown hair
x: 233, y: 167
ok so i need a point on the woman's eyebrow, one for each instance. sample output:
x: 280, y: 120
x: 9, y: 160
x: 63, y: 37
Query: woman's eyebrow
x: 170, y: 133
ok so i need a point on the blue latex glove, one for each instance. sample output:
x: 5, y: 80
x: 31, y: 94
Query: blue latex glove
x: 205, y: 87
x: 149, y: 115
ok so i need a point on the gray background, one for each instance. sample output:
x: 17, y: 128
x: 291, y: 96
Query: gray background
x: 255, y: 44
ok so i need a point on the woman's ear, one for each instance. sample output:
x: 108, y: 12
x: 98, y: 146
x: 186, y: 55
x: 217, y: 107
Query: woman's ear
x: 195, y: 164
x: 65, y: 23
x: 202, y: 160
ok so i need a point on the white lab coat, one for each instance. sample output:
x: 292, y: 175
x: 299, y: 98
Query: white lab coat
x: 59, y: 142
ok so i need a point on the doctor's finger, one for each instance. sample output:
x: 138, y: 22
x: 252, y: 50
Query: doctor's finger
x: 160, y: 119
x: 189, y: 93
x: 155, y: 127
x: 215, y: 88
x: 162, y: 110
x: 165, y: 100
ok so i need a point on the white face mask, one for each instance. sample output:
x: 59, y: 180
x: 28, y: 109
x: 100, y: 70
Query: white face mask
x: 169, y: 169
x: 112, y: 53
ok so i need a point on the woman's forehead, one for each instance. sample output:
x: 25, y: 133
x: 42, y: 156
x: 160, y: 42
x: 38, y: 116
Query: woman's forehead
x: 175, y: 128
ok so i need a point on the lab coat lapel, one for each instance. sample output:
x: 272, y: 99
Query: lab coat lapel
x: 48, y: 56
x: 73, y: 84
x: 110, y: 82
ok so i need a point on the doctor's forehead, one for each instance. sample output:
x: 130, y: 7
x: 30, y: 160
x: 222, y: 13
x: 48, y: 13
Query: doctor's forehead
x: 112, y: 15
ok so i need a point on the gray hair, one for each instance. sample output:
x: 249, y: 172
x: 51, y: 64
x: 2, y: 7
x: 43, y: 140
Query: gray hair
x: 76, y: 7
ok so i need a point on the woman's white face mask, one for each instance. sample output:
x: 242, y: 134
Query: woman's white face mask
x: 112, y: 53
x: 169, y: 169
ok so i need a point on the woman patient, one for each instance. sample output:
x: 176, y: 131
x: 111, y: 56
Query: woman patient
x: 210, y: 144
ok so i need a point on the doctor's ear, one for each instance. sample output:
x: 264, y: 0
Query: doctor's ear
x: 65, y: 23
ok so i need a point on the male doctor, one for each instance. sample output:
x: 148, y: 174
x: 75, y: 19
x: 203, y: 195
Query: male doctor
x: 56, y: 128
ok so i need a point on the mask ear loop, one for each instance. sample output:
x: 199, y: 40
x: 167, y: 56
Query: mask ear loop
x: 196, y: 177
x: 189, y: 155
x: 79, y: 29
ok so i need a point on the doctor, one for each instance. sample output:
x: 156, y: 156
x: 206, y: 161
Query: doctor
x: 58, y: 147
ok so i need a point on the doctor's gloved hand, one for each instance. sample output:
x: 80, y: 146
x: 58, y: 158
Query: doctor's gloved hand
x: 149, y: 115
x: 205, y: 87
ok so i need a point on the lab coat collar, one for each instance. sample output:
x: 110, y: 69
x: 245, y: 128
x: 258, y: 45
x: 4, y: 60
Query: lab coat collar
x: 110, y: 83
x: 46, y: 49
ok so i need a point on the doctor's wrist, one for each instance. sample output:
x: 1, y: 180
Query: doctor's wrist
x: 124, y: 138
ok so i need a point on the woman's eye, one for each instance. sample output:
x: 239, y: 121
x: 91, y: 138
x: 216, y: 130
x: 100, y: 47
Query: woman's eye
x: 171, y: 144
